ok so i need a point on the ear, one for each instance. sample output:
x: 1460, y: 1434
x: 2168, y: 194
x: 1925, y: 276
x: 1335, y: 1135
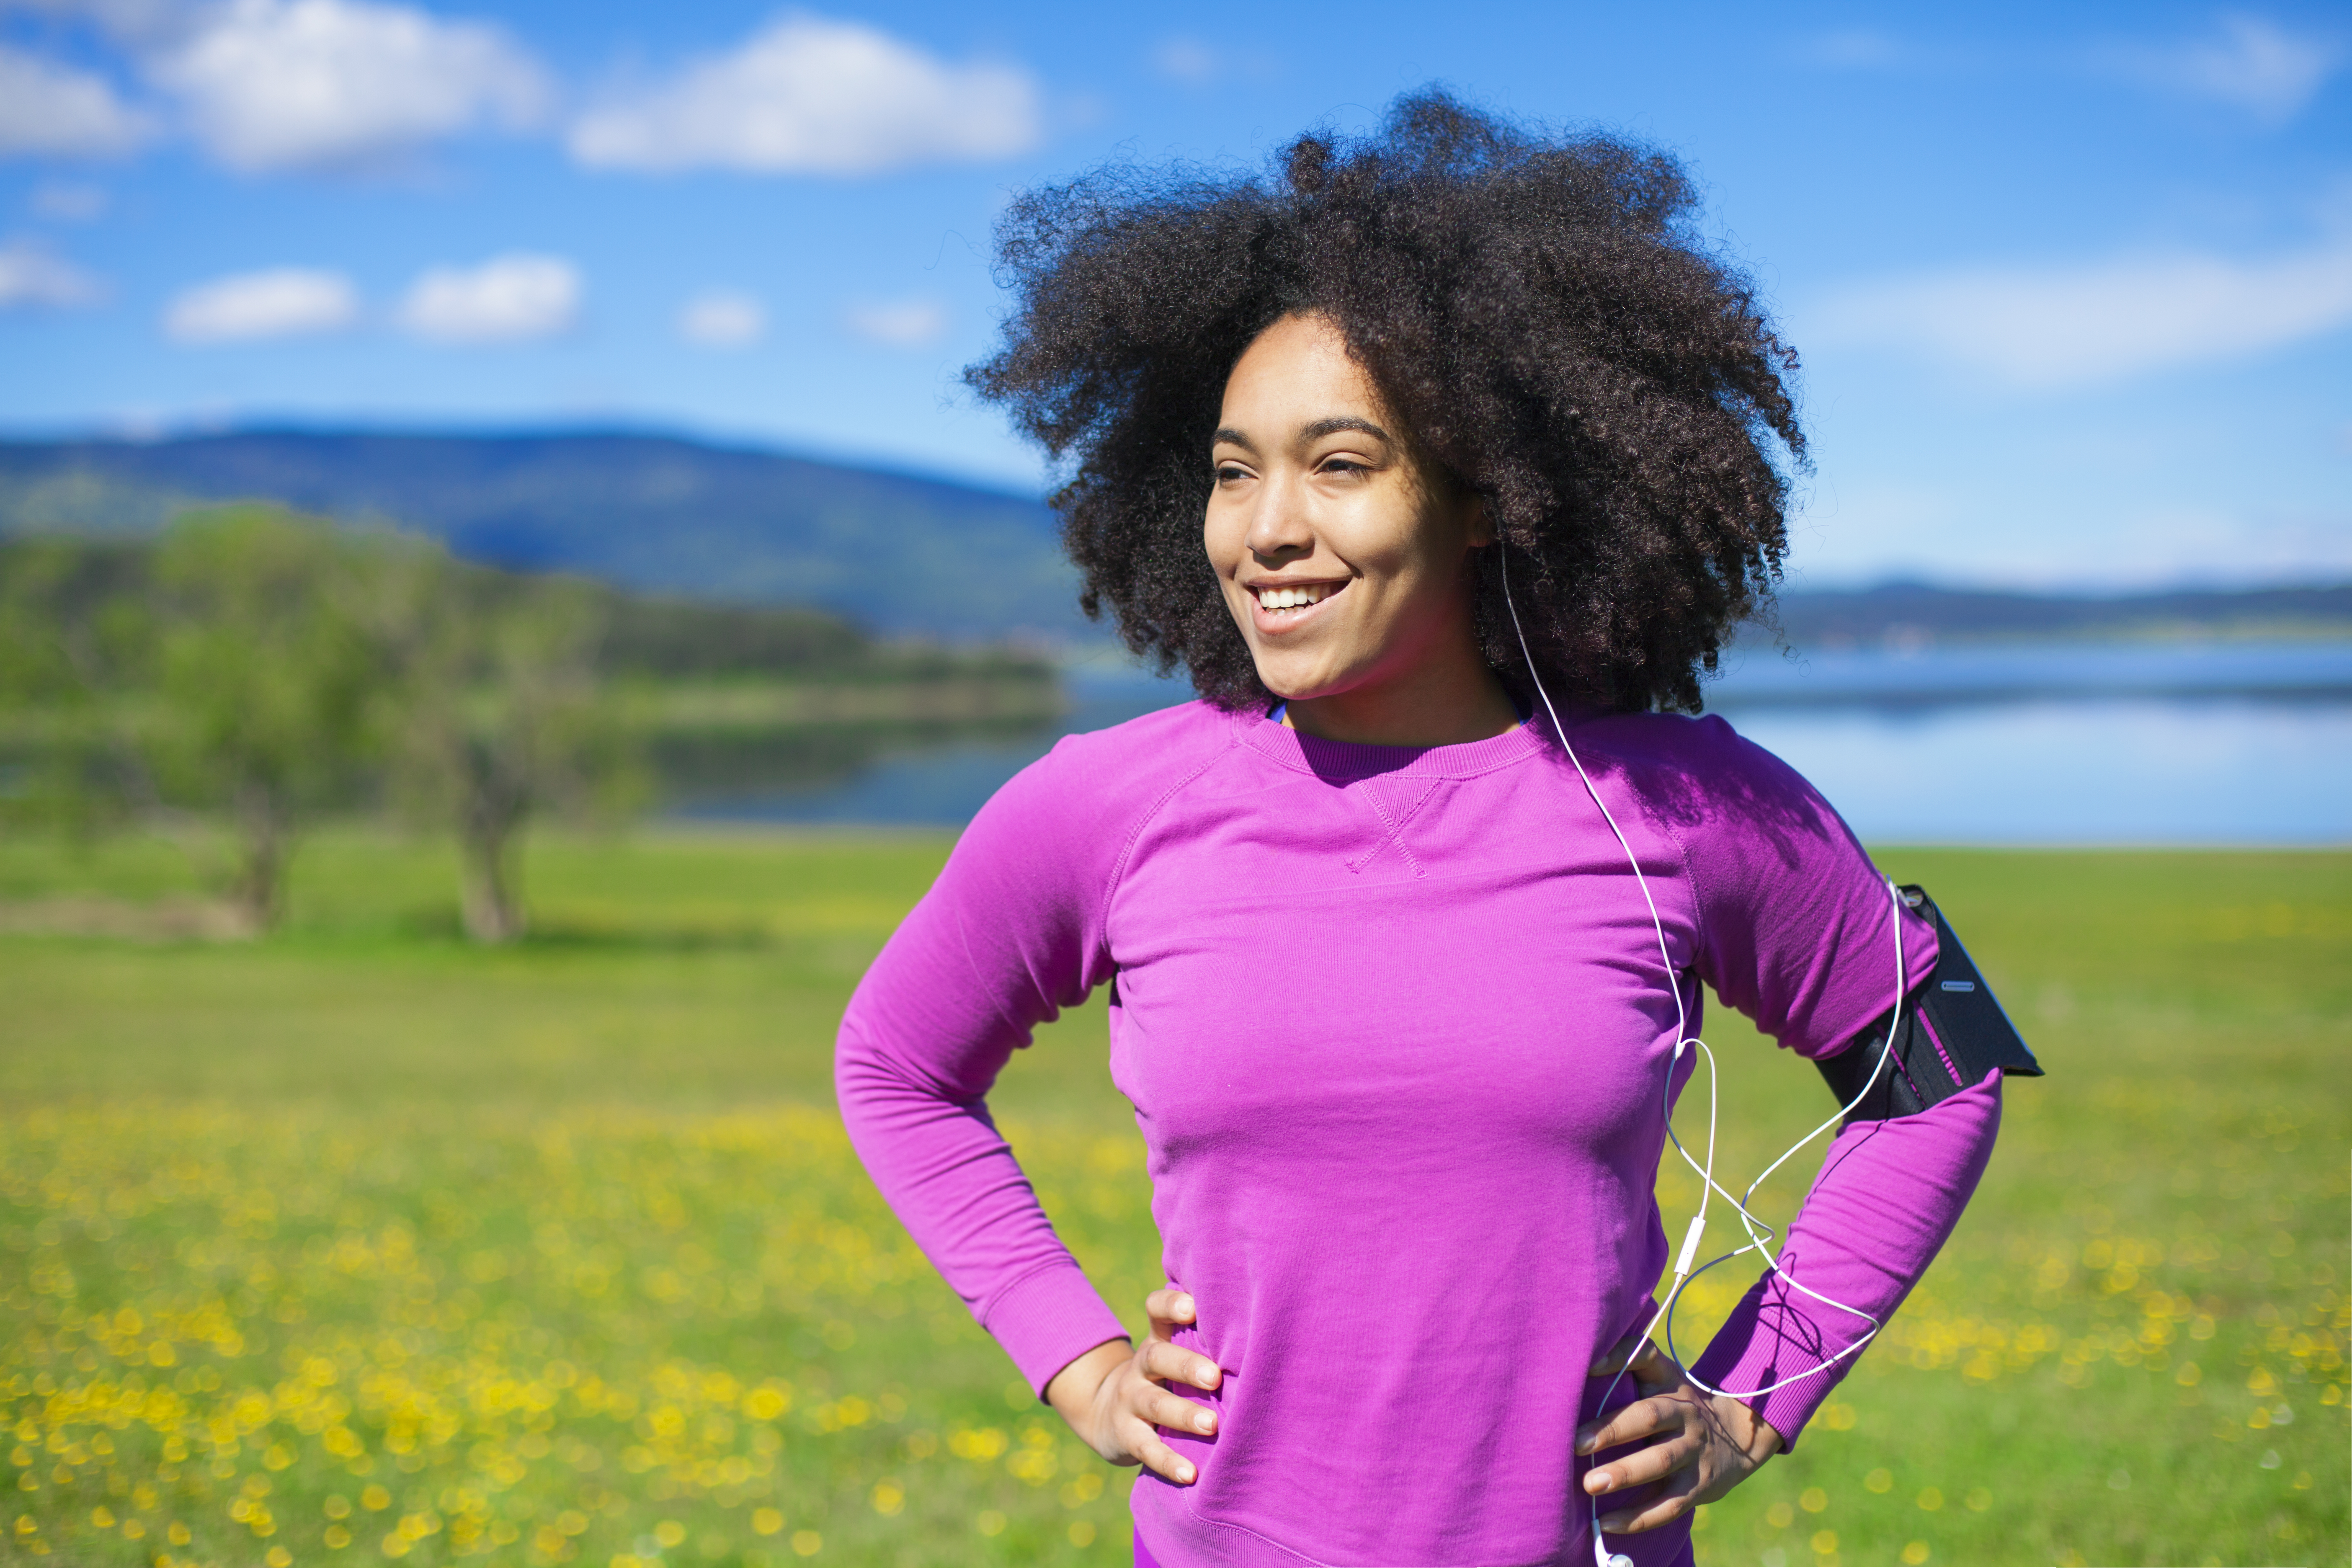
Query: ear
x: 1481, y: 523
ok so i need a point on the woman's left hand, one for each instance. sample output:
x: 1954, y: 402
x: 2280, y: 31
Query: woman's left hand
x: 1703, y: 1446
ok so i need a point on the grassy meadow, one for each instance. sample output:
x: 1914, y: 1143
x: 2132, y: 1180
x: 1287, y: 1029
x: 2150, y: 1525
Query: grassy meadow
x: 361, y: 1244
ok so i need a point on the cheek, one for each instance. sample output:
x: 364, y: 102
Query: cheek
x: 1405, y: 568
x: 1221, y: 540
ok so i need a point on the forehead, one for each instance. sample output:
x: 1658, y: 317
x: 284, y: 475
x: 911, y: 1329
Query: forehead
x: 1297, y: 372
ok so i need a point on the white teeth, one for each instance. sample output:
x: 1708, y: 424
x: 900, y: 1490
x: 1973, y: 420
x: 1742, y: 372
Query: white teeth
x: 1292, y: 598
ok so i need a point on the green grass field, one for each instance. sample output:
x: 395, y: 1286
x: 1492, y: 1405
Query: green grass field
x: 359, y: 1244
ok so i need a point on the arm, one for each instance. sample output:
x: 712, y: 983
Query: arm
x: 1801, y: 932
x: 1796, y: 929
x: 1887, y: 1198
x: 1010, y: 934
x: 954, y: 1184
x: 952, y: 1179
x: 1888, y: 1195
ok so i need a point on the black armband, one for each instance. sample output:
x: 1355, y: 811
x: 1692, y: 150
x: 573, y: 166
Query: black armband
x: 1953, y: 1032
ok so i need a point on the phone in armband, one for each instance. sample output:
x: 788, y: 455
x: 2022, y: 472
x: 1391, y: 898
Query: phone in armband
x: 1953, y: 1032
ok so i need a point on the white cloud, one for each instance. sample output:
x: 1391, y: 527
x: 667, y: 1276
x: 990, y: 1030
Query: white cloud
x: 32, y: 274
x: 507, y: 298
x: 1185, y: 60
x: 814, y: 96
x: 2255, y: 65
x: 2076, y: 325
x: 1858, y: 49
x: 53, y: 110
x: 901, y: 324
x: 69, y: 201
x: 723, y: 319
x: 1195, y: 62
x: 280, y: 84
x: 278, y: 303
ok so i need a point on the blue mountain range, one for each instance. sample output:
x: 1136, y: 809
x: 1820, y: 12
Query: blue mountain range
x: 900, y: 553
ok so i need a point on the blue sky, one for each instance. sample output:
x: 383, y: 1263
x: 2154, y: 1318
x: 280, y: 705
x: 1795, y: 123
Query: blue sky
x: 2073, y: 284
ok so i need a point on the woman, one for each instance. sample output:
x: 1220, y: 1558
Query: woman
x: 1393, y: 454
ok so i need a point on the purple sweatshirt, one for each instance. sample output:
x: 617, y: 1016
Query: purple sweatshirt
x: 1395, y: 1028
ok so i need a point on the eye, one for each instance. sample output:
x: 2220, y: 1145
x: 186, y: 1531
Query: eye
x: 1348, y: 465
x: 1228, y: 473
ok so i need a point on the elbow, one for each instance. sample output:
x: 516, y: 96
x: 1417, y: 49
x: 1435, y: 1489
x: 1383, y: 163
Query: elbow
x: 864, y: 1079
x: 875, y: 1086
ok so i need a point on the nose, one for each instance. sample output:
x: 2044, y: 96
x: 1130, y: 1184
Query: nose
x: 1278, y: 530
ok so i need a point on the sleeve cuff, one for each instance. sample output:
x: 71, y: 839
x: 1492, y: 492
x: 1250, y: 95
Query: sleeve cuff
x: 1763, y: 1344
x: 1049, y: 1318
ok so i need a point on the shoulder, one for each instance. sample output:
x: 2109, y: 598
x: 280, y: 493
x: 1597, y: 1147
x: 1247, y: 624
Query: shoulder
x: 1132, y: 756
x: 1032, y: 871
x: 1703, y: 754
x: 1132, y: 765
x: 1095, y: 790
x: 1704, y: 782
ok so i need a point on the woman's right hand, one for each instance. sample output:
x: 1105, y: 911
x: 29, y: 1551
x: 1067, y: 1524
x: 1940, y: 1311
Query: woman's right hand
x: 1116, y: 1398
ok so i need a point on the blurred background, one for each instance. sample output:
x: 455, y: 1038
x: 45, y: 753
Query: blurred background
x: 504, y: 601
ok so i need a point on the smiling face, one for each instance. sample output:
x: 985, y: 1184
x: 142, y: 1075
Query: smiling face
x: 1343, y: 555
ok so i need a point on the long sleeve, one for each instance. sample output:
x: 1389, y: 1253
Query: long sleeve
x: 954, y: 1184
x: 1009, y: 935
x: 1798, y: 932
x: 1886, y: 1201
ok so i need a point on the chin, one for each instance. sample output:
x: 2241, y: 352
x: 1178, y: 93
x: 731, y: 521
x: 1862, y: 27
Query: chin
x: 1293, y: 687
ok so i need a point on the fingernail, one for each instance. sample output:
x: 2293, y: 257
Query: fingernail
x: 1598, y: 1482
x: 1183, y: 1473
x: 1184, y: 1306
x: 1203, y: 1421
x: 1584, y: 1442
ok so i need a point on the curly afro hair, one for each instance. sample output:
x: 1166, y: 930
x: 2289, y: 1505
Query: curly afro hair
x: 1536, y: 309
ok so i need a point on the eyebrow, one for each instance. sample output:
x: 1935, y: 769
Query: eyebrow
x: 1314, y: 432
x: 1322, y: 427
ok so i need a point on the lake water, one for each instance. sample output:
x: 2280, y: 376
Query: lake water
x: 2216, y: 743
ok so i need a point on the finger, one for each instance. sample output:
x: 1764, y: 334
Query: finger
x: 1642, y: 1418
x: 1669, y: 1503
x: 1174, y: 1412
x: 1654, y: 1371
x: 1162, y: 1459
x: 1643, y: 1466
x: 1170, y: 1305
x: 1614, y: 1361
x: 1190, y: 1368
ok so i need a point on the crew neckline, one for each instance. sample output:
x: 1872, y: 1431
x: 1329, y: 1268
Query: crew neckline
x: 1296, y: 750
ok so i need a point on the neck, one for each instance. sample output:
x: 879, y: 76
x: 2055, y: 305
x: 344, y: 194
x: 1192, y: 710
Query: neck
x: 1445, y: 701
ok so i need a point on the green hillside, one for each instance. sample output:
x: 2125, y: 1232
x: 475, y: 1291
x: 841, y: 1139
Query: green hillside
x: 895, y: 553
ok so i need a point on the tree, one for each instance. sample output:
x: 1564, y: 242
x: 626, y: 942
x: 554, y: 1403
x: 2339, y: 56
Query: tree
x: 505, y: 718
x: 76, y: 635
x: 272, y: 683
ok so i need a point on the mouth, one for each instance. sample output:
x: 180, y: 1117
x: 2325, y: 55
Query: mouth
x: 1281, y: 606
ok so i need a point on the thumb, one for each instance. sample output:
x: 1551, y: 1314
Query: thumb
x: 1620, y: 1355
x: 1170, y: 1309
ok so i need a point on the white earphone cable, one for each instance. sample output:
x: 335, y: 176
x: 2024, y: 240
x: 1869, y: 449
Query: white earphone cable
x: 1759, y: 1235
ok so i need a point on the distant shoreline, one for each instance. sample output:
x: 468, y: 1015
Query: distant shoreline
x: 742, y: 523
